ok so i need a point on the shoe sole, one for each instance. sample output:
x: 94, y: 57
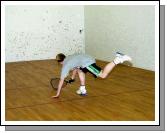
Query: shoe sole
x: 83, y: 94
x: 128, y: 58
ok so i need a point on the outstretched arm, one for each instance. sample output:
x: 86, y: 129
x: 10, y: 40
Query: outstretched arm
x: 61, y: 81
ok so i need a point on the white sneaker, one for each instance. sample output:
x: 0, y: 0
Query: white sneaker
x: 120, y: 58
x: 81, y: 90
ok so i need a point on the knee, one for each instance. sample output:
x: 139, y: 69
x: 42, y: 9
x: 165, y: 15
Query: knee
x: 103, y: 76
x: 78, y: 71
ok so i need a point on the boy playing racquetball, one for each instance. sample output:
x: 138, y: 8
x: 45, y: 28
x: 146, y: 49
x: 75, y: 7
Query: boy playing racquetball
x: 81, y: 64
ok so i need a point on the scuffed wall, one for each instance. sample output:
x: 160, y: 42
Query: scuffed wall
x: 40, y: 32
x: 126, y: 28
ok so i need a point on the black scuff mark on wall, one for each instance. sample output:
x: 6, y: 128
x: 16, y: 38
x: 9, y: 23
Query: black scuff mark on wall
x: 80, y: 31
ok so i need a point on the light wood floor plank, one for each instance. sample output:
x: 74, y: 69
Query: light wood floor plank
x: 128, y: 94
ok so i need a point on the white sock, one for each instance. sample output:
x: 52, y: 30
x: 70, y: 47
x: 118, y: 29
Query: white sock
x: 117, y: 60
x: 82, y: 89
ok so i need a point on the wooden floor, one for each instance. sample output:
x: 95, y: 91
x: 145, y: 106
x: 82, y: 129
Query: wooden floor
x: 126, y: 95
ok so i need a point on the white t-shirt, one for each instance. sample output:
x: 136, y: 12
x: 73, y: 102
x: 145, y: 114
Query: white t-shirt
x: 75, y: 61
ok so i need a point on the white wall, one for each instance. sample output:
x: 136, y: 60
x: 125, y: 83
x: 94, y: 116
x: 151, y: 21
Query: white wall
x: 129, y: 29
x: 40, y: 32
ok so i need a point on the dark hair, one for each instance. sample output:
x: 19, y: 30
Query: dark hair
x: 60, y: 57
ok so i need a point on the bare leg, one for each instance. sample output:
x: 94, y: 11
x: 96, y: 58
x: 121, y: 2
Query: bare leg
x: 81, y: 77
x: 74, y: 72
x: 120, y: 58
x: 107, y: 69
x: 82, y: 89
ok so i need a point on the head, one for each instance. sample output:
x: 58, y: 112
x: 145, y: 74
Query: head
x: 60, y: 58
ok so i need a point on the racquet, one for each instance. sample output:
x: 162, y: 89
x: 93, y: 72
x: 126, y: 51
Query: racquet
x: 55, y: 82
